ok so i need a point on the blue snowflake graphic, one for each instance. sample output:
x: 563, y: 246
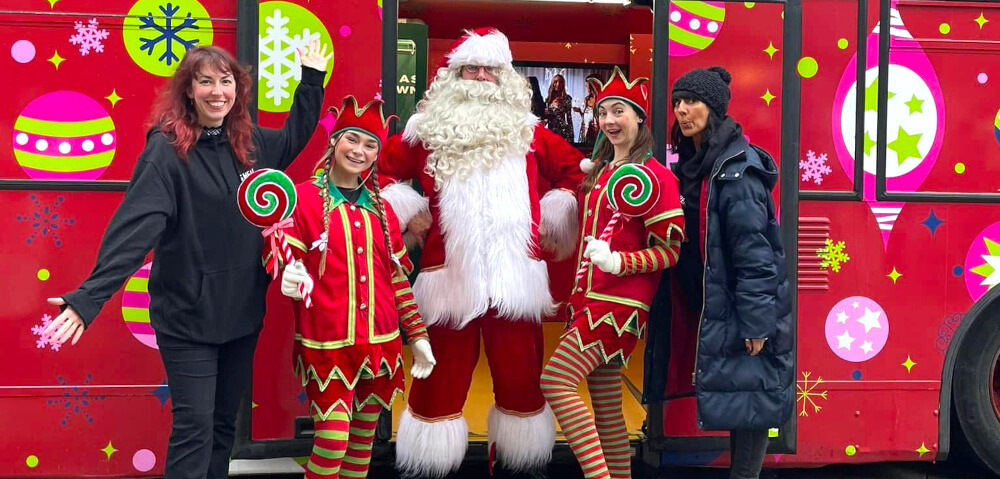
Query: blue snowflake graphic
x: 168, y: 32
x: 45, y: 221
x: 75, y: 402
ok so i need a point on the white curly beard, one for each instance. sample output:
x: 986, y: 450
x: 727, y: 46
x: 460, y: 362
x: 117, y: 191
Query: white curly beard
x: 467, y: 125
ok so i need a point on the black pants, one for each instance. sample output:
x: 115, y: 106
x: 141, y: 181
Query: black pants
x: 207, y: 382
x: 747, y: 448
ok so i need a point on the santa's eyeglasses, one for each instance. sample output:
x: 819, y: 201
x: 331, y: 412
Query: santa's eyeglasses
x: 475, y: 69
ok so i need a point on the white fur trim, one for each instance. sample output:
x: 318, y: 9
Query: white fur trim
x: 522, y: 442
x: 490, y: 50
x: 430, y: 449
x: 560, y: 219
x: 486, y: 223
x: 587, y: 165
x: 410, y: 135
x: 405, y: 202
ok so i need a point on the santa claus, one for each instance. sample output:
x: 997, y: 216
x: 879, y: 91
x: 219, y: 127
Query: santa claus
x: 478, y: 154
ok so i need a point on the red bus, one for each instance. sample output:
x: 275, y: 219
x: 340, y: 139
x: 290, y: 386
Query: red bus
x: 897, y: 254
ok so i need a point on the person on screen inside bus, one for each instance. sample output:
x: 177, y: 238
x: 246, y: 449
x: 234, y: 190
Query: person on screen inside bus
x: 537, y: 101
x: 207, y: 283
x: 588, y: 121
x: 609, y: 304
x: 732, y: 270
x: 483, y: 160
x: 558, y: 109
x: 347, y: 352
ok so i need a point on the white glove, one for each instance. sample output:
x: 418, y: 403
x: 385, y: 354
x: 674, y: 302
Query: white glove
x: 295, y: 274
x: 599, y: 253
x: 423, y: 359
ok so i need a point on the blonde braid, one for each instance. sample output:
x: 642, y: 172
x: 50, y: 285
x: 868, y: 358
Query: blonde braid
x: 393, y: 261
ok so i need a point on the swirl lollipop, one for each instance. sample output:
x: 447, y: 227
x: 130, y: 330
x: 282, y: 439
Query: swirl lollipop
x: 633, y: 190
x: 267, y: 199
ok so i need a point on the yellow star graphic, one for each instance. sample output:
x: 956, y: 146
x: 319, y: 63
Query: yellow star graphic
x: 981, y: 20
x: 109, y: 450
x: 568, y: 46
x: 56, y: 59
x: 908, y: 364
x: 52, y: 3
x: 767, y: 96
x: 253, y: 404
x: 770, y: 50
x: 894, y: 275
x: 113, y: 98
x: 922, y: 449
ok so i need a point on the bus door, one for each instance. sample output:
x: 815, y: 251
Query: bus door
x: 759, y: 44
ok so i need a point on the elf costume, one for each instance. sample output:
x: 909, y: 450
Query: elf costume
x: 608, y: 310
x: 348, y: 351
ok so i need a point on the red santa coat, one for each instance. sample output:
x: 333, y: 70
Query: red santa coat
x: 482, y: 251
x: 609, y: 311
x: 349, y: 339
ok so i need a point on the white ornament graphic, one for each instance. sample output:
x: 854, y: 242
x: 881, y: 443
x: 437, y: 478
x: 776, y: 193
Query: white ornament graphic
x: 279, y: 61
x: 89, y: 37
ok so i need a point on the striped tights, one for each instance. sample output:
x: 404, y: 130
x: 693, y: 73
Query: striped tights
x: 599, y: 441
x: 342, y: 445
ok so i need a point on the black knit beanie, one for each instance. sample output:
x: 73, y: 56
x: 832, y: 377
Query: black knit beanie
x: 710, y: 85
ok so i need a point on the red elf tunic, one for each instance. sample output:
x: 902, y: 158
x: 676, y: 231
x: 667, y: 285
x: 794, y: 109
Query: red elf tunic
x: 609, y: 311
x: 347, y: 345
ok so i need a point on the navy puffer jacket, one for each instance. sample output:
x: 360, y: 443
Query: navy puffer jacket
x: 746, y: 296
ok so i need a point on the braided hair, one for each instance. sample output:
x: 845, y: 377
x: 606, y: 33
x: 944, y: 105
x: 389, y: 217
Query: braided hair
x: 324, y: 192
x: 393, y: 260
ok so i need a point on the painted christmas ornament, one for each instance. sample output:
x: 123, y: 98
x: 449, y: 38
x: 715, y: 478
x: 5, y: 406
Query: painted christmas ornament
x: 135, y: 307
x: 64, y: 135
x: 694, y: 25
x: 915, y: 111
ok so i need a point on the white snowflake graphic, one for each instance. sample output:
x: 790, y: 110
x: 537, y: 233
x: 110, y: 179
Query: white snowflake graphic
x: 44, y: 339
x: 89, y: 36
x: 833, y: 255
x: 279, y: 61
x: 168, y: 33
x: 814, y: 167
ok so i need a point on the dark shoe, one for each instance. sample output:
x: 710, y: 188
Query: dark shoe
x: 541, y: 472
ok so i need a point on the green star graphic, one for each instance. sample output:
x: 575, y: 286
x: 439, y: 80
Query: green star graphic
x: 986, y: 270
x: 916, y: 105
x: 869, y: 143
x: 871, y: 96
x: 905, y: 145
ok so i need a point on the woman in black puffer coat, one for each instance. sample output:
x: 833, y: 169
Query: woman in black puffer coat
x: 732, y: 270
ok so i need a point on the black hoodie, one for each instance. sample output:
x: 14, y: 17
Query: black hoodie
x: 207, y: 282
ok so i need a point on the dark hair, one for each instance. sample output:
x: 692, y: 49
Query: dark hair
x: 681, y: 144
x: 590, y: 86
x: 537, y: 104
x: 604, y: 151
x: 175, y: 114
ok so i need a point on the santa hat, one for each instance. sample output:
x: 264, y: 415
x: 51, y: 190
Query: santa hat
x: 620, y: 88
x: 368, y: 119
x: 484, y: 46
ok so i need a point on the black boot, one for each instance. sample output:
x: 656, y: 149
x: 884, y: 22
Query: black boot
x: 539, y: 472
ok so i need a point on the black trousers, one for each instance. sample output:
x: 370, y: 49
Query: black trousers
x: 747, y: 448
x: 207, y: 382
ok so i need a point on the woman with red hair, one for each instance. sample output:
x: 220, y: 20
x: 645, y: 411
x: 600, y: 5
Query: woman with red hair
x: 207, y: 283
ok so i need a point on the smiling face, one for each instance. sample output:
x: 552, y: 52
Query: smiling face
x: 619, y: 122
x: 213, y: 93
x: 354, y: 153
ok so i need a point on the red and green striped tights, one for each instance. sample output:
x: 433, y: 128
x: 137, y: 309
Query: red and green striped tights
x: 342, y: 445
x: 599, y: 440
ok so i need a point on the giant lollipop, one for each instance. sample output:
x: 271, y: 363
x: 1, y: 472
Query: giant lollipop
x: 915, y: 119
x: 267, y: 199
x: 633, y: 190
